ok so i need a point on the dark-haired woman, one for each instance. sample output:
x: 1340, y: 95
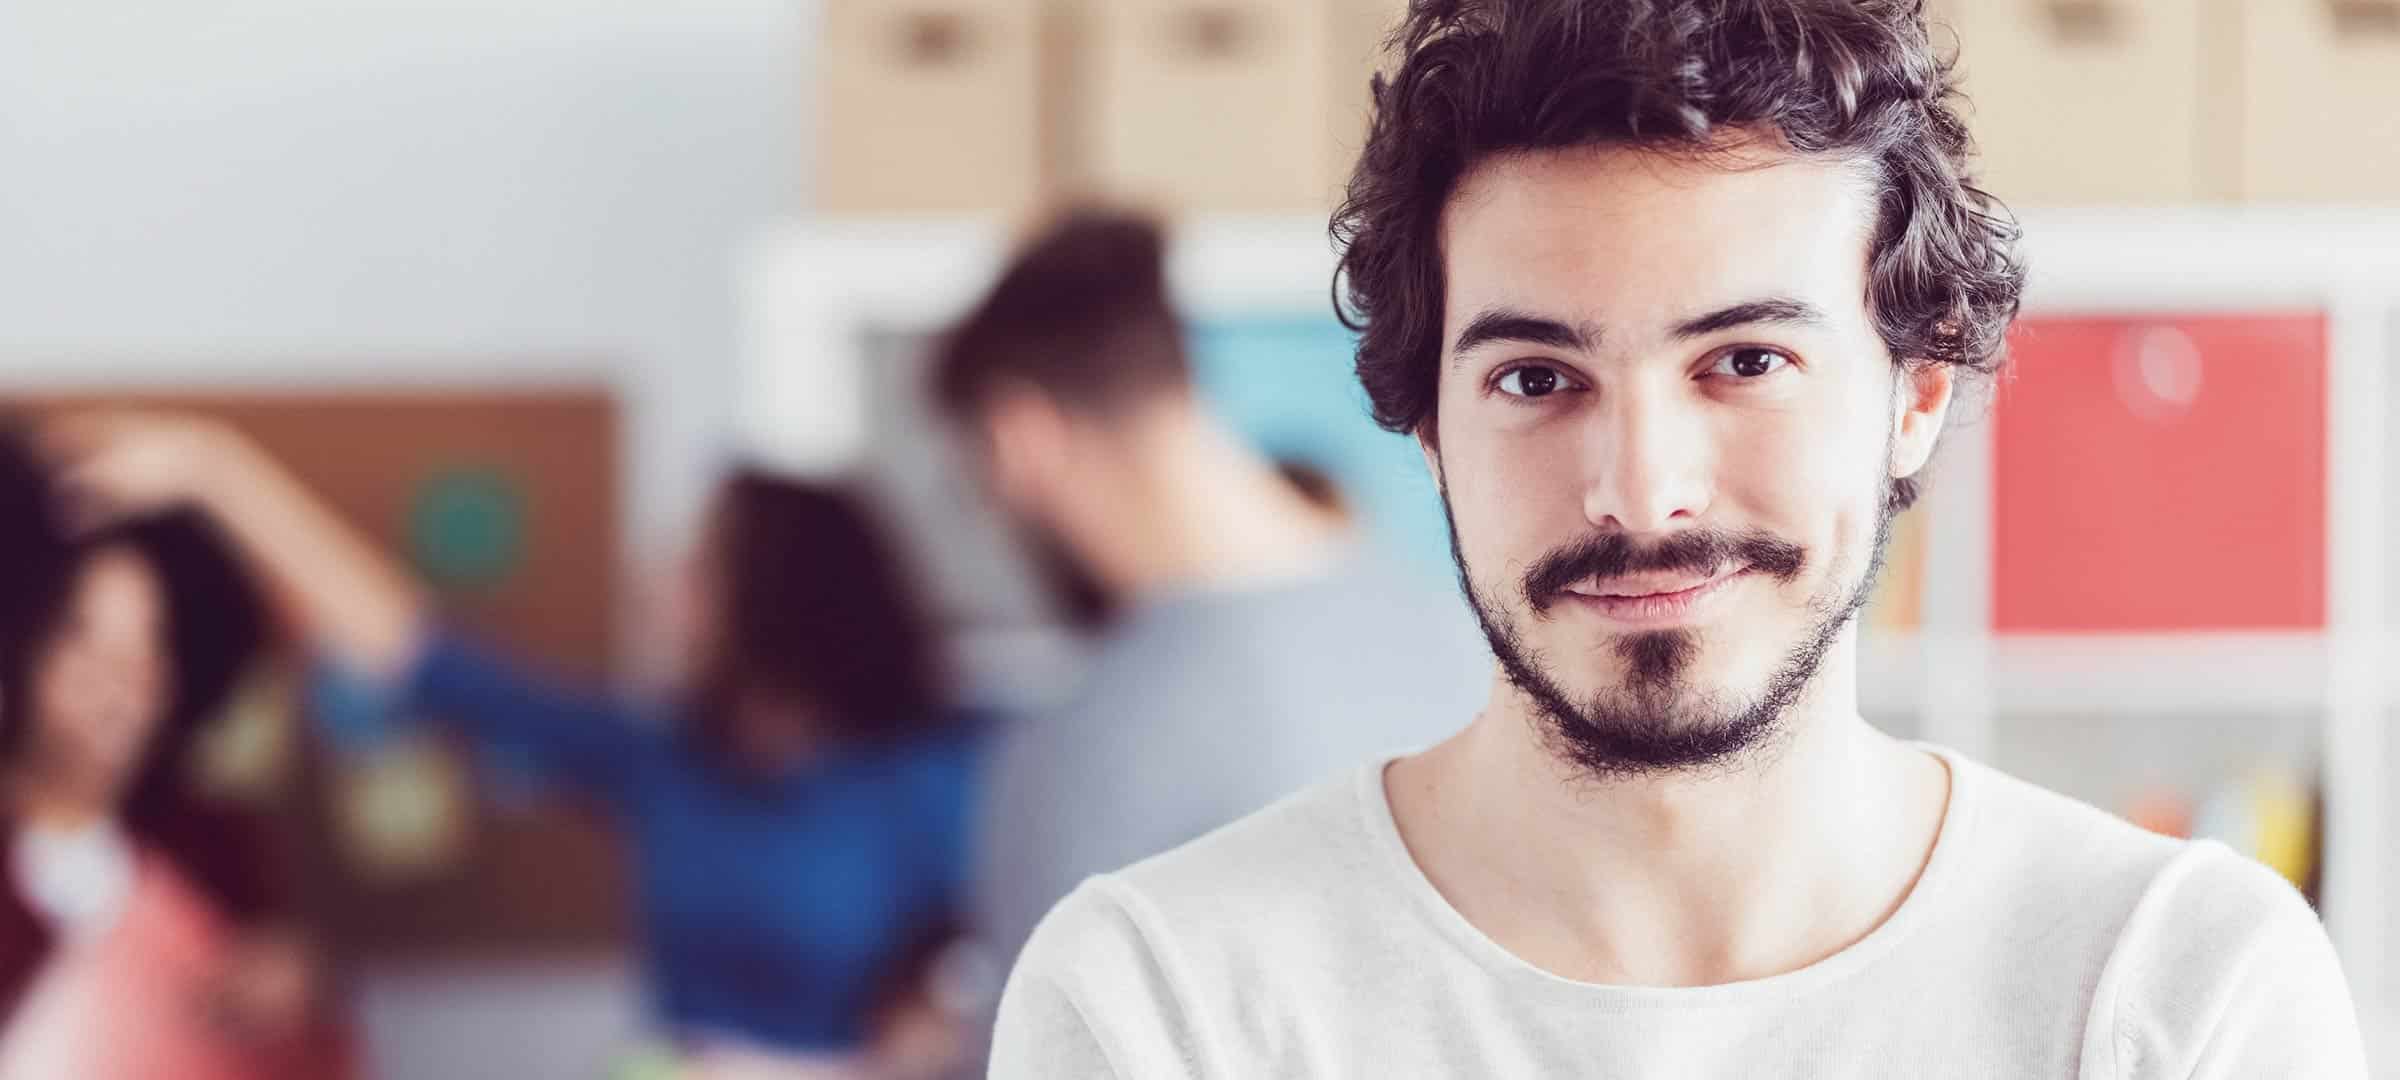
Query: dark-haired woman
x: 802, y: 810
x: 142, y: 928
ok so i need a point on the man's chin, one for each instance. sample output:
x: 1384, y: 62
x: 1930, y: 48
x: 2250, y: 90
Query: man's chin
x: 1625, y: 745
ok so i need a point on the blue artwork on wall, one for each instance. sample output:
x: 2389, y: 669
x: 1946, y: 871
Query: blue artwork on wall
x: 1286, y: 383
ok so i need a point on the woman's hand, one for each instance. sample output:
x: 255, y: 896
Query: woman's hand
x: 116, y: 465
x: 333, y: 588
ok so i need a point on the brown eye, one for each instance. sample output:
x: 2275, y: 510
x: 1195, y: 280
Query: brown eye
x: 1750, y: 363
x: 1531, y: 382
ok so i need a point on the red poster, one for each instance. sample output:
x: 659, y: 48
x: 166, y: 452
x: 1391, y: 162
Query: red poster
x: 2161, y: 475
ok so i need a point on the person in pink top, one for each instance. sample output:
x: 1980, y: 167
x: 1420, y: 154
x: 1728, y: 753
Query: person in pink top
x: 141, y: 933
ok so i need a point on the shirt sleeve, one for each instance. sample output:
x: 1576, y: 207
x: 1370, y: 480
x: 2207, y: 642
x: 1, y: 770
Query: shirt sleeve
x: 589, y: 740
x: 2225, y: 973
x: 2290, y: 1013
x: 1043, y: 1035
x: 1089, y: 1000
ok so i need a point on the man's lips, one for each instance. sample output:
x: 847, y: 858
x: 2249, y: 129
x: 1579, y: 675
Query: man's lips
x: 1638, y: 586
x: 1667, y: 601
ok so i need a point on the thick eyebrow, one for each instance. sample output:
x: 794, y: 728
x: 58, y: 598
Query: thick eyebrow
x: 1773, y: 309
x: 1511, y: 324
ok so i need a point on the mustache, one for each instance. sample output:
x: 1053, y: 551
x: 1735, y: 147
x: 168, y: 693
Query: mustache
x: 1696, y: 551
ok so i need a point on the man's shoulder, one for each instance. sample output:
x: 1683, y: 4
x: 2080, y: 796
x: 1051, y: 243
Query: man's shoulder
x: 2050, y: 844
x: 2055, y: 845
x: 2179, y: 936
x: 1230, y: 887
x: 2209, y: 893
x: 2222, y: 960
x: 1287, y: 853
x: 2021, y: 866
x: 1121, y: 975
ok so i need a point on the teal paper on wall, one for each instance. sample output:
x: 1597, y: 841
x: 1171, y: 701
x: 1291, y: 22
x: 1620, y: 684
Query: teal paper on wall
x: 1286, y: 383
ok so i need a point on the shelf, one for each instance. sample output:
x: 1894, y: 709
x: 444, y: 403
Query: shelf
x: 2107, y: 673
x: 2215, y: 673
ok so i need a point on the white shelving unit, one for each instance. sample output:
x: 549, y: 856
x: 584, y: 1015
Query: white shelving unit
x: 814, y: 291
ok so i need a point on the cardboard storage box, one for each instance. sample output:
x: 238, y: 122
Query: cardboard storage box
x: 931, y: 106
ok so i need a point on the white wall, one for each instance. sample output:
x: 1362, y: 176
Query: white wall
x: 226, y: 186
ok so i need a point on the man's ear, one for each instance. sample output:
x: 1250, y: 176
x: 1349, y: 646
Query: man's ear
x: 1429, y: 444
x: 1027, y: 439
x: 1920, y: 406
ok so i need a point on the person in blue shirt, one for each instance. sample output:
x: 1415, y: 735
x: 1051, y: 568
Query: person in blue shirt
x: 795, y: 822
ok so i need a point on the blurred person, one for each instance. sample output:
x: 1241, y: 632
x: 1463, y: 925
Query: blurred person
x: 1675, y: 296
x: 145, y: 927
x: 801, y: 812
x: 1254, y: 646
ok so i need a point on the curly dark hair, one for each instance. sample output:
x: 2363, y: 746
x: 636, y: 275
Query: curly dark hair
x: 33, y: 544
x: 1845, y: 79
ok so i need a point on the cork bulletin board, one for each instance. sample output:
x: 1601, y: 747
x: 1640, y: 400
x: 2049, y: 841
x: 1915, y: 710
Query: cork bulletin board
x: 506, y: 503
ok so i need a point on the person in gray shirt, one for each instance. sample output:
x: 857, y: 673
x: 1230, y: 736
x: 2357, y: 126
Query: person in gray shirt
x: 1244, y: 644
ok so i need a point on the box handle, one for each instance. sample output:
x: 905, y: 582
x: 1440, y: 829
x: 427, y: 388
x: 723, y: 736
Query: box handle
x: 1213, y: 33
x: 2087, y: 22
x: 935, y: 39
x: 2365, y: 18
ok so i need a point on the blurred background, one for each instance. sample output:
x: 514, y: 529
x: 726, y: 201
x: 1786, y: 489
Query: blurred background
x: 510, y: 282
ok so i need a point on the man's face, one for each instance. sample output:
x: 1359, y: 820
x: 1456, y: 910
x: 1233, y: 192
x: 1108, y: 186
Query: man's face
x: 1665, y: 430
x: 1031, y: 449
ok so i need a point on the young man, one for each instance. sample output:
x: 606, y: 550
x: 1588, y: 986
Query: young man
x: 1250, y: 647
x: 1676, y: 296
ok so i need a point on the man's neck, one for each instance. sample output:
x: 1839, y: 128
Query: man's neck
x: 1193, y: 508
x: 1680, y: 880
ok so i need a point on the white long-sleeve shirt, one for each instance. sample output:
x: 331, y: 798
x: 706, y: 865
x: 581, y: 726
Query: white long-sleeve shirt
x: 2043, y: 939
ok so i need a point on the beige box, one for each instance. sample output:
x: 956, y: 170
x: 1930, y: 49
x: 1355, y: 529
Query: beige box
x: 1354, y: 52
x: 2091, y: 102
x: 931, y: 106
x: 2320, y: 103
x: 1206, y: 105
